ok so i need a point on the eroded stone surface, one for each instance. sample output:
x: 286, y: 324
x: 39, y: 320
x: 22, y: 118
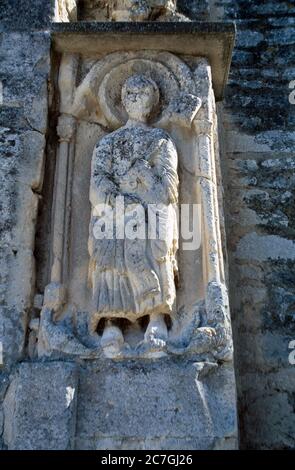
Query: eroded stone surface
x: 130, y: 10
x: 259, y: 200
x: 40, y: 407
x: 134, y: 276
x: 24, y: 122
x: 169, y: 405
x: 165, y: 111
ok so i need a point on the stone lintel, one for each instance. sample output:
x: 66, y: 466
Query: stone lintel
x: 214, y: 41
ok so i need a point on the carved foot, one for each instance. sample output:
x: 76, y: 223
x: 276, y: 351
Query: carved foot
x: 112, y: 340
x: 156, y: 335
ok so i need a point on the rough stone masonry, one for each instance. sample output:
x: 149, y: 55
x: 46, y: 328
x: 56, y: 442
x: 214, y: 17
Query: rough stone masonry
x: 256, y: 139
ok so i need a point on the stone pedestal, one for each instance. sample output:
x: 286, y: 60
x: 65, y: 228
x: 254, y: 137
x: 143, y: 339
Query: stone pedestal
x: 168, y: 404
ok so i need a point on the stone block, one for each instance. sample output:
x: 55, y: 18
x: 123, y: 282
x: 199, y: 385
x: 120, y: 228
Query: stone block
x: 40, y: 406
x: 171, y: 404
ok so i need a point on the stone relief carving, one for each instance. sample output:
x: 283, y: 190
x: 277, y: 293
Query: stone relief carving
x: 134, y: 276
x: 129, y: 10
x: 150, y: 118
x: 65, y: 10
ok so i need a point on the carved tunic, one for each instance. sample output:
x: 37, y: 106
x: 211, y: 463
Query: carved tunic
x: 134, y: 277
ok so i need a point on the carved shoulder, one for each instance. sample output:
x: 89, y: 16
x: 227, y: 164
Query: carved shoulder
x: 102, y: 154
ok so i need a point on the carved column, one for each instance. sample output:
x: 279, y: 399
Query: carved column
x: 65, y: 130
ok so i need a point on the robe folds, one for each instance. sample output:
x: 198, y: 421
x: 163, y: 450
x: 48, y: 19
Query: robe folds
x: 134, y: 276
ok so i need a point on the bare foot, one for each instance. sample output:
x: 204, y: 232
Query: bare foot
x: 112, y: 339
x: 156, y: 333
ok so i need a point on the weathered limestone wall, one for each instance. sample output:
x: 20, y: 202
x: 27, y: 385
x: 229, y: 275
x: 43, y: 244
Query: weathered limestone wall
x: 257, y: 140
x: 24, y: 76
x: 23, y: 130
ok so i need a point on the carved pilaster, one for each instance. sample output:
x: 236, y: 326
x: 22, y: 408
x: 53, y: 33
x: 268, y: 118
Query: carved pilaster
x: 65, y: 130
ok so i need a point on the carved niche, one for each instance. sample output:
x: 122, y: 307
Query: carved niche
x: 137, y: 136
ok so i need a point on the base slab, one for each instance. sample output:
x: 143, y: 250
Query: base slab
x: 162, y: 405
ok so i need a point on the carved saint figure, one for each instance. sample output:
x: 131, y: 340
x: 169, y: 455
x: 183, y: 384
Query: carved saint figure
x: 133, y: 277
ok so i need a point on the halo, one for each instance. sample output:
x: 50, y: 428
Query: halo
x: 111, y: 87
x: 98, y: 96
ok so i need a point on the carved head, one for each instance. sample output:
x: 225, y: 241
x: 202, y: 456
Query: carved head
x: 139, y: 96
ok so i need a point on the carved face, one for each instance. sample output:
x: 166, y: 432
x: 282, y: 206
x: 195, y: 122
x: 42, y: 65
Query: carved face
x: 139, y: 96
